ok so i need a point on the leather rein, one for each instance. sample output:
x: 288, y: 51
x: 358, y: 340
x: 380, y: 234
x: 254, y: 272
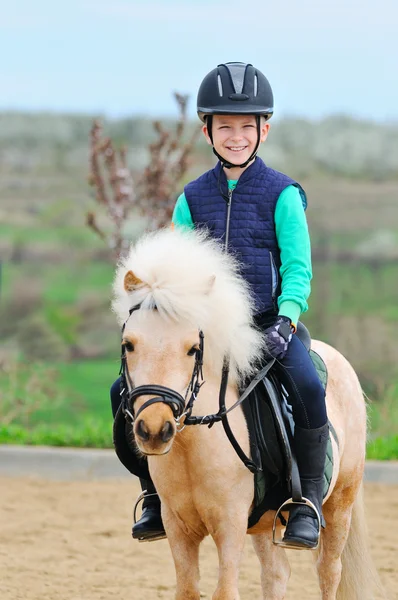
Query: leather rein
x: 182, y: 407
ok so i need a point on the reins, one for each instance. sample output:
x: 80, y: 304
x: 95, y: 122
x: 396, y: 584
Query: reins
x: 179, y: 405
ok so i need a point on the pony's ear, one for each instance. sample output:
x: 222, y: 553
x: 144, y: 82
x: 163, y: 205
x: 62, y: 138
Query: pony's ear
x: 131, y: 281
x: 210, y: 284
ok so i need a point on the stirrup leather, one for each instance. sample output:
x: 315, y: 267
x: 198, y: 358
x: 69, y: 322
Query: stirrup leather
x: 278, y: 514
x: 141, y: 498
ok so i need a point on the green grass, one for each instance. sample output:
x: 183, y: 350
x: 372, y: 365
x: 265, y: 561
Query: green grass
x: 76, y: 411
x: 88, y: 434
x: 383, y: 448
x: 58, y: 395
x: 97, y: 433
x: 383, y: 416
x: 57, y: 404
x: 89, y: 383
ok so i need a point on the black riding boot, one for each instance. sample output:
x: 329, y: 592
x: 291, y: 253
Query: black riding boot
x: 310, y: 447
x: 149, y: 526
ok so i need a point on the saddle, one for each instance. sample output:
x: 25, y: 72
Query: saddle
x: 271, y: 427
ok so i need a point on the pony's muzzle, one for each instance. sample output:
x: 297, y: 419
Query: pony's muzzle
x: 154, y: 441
x: 165, y: 434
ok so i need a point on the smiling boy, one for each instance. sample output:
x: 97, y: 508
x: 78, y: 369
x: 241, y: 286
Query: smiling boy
x: 258, y: 214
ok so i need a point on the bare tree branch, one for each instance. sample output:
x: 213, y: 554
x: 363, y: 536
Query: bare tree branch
x: 152, y: 193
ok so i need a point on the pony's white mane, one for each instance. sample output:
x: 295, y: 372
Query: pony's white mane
x: 188, y: 277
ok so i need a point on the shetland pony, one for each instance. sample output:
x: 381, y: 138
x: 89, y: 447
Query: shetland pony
x: 181, y: 283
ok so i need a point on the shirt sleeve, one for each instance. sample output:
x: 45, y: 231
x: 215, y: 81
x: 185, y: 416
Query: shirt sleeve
x: 182, y: 215
x: 295, y: 248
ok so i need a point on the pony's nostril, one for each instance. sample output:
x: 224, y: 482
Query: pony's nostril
x: 167, y: 432
x: 142, y: 431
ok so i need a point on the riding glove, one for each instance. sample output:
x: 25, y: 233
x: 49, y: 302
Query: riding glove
x: 278, y: 336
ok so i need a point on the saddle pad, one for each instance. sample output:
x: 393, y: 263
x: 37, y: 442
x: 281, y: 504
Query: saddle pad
x: 323, y: 376
x: 320, y: 367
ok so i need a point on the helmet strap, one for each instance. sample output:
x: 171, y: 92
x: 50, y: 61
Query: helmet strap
x: 223, y: 161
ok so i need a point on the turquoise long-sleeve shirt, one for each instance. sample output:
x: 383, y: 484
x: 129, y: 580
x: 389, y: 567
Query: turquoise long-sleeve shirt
x: 294, y: 244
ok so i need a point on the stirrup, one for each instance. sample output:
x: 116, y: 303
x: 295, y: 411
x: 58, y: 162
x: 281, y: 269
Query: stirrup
x: 302, y: 502
x: 141, y: 498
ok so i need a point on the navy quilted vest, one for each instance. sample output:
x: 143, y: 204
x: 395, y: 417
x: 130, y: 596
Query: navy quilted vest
x: 252, y: 236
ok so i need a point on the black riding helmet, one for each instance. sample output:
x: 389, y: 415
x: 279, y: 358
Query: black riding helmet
x: 235, y: 88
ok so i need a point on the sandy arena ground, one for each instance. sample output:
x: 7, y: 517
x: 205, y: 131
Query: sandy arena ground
x: 71, y: 541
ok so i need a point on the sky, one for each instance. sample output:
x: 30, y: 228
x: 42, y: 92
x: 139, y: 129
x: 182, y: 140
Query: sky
x: 126, y: 57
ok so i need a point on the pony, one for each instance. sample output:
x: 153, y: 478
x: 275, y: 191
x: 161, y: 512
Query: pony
x: 172, y: 286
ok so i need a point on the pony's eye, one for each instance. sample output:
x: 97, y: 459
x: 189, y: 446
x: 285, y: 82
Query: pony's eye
x: 192, y: 351
x: 129, y: 346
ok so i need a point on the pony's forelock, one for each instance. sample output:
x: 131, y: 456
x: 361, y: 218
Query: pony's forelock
x: 188, y: 277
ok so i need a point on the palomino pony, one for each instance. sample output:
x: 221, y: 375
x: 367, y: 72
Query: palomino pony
x: 180, y: 284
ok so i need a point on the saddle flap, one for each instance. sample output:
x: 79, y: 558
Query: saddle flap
x: 267, y: 431
x: 274, y: 402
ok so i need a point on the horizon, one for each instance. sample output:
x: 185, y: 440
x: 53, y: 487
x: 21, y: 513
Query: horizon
x: 191, y: 118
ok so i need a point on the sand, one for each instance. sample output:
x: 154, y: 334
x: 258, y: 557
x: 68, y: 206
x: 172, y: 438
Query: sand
x: 71, y: 541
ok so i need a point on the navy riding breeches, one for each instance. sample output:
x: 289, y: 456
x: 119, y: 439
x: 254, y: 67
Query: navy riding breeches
x: 297, y: 373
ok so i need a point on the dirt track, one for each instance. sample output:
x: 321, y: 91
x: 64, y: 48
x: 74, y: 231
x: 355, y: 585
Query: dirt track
x: 71, y: 541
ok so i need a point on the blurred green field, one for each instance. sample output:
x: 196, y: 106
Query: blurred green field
x: 74, y: 408
x: 55, y: 293
x: 62, y: 404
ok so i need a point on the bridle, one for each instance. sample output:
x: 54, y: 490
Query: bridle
x: 178, y: 404
x: 182, y: 407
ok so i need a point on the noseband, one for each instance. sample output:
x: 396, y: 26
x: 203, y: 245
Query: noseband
x: 165, y: 395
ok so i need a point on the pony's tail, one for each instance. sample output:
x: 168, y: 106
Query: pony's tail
x: 359, y: 578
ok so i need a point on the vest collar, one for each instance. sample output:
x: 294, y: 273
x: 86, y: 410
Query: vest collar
x: 250, y: 173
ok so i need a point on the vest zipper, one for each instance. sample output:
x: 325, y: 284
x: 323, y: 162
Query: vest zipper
x: 229, y: 202
x: 274, y: 278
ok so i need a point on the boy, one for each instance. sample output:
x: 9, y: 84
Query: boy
x: 259, y: 215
